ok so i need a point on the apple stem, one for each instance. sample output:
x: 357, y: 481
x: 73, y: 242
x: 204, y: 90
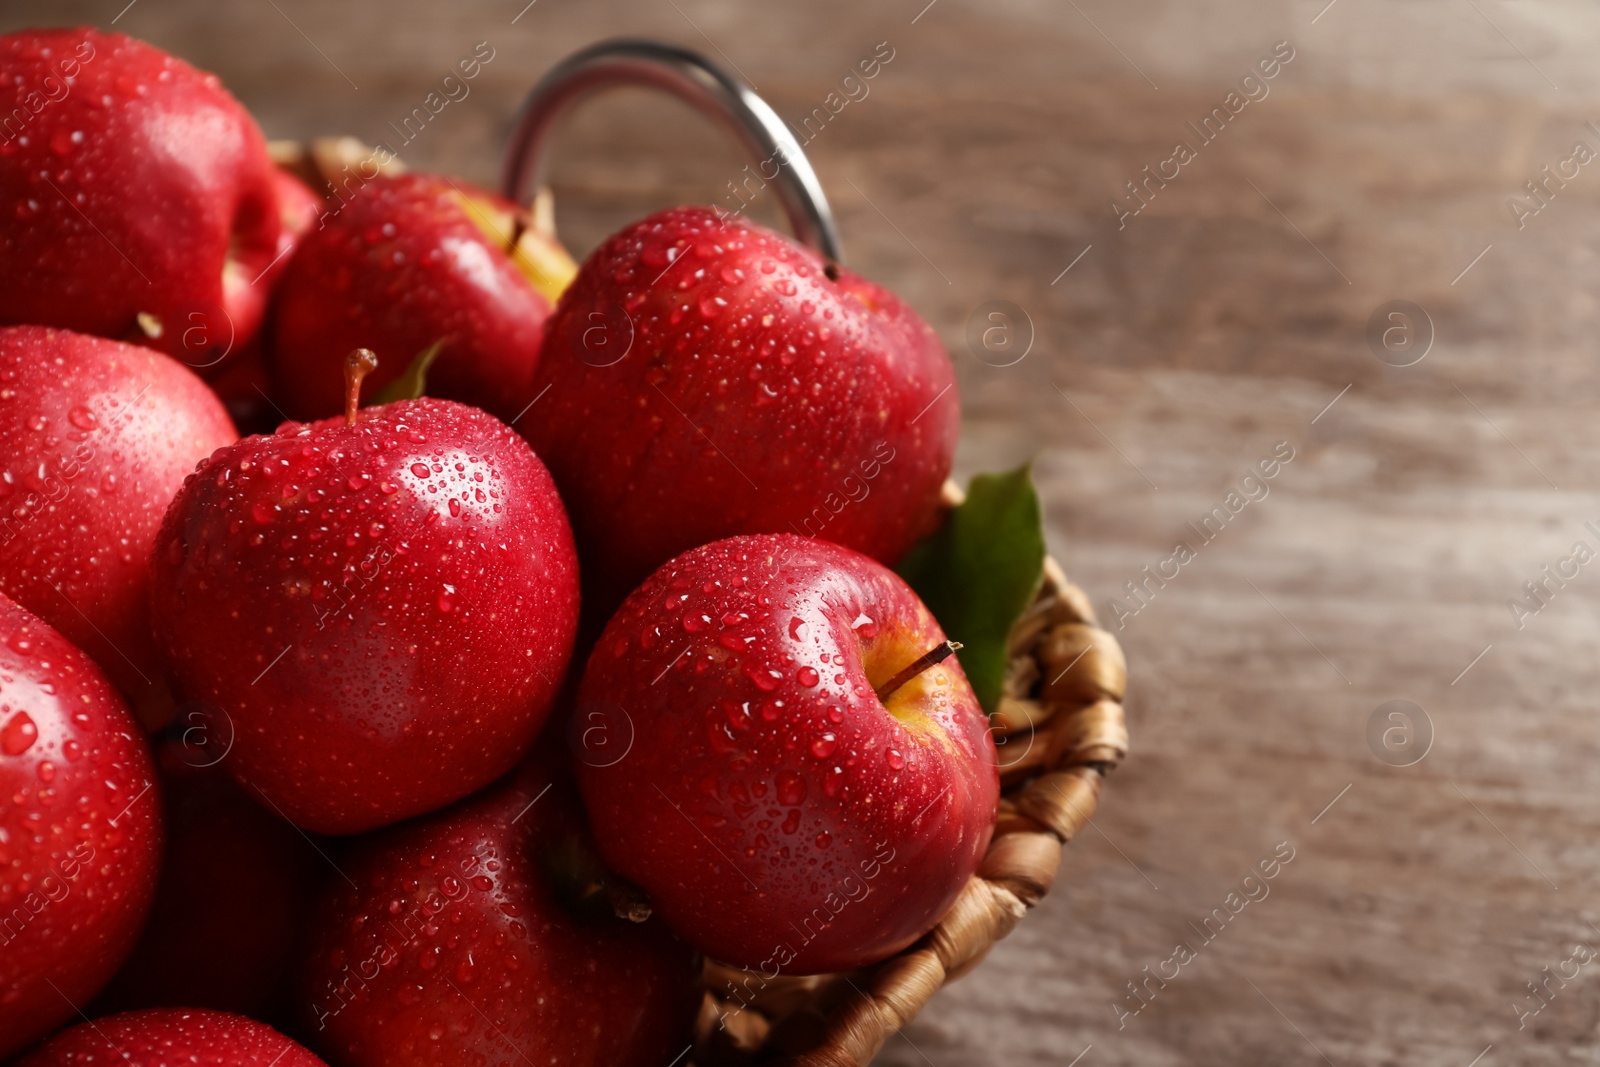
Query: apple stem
x: 627, y: 900
x: 357, y: 365
x: 936, y: 654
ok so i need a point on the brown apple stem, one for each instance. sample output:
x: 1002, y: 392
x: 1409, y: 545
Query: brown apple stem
x: 357, y: 365
x: 627, y: 900
x: 934, y: 655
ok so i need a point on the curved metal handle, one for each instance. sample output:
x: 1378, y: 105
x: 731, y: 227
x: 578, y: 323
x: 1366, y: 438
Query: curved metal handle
x: 704, y: 86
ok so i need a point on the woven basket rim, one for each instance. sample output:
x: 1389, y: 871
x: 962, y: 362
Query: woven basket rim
x: 1063, y: 707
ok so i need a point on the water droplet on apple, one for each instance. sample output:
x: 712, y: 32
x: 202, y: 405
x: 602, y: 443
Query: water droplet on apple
x: 792, y: 822
x: 896, y: 761
x: 766, y: 681
x: 807, y: 676
x: 420, y: 470
x: 823, y: 746
x: 82, y: 418
x: 791, y: 788
x: 824, y: 839
x: 18, y: 735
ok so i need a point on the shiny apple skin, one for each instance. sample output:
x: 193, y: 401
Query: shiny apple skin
x: 166, y: 1037
x: 780, y: 817
x: 754, y: 391
x: 80, y: 829
x: 96, y: 437
x: 453, y: 942
x: 384, y: 609
x: 395, y: 265
x: 145, y: 187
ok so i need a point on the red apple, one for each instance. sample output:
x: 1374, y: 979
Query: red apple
x: 477, y: 935
x: 236, y: 886
x: 80, y: 832
x: 139, y: 195
x: 409, y: 260
x: 383, y: 604
x: 96, y: 437
x: 708, y: 377
x: 780, y: 814
x: 166, y: 1037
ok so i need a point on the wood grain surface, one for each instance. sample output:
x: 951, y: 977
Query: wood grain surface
x: 1170, y: 355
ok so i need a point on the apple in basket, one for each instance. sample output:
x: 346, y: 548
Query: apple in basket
x: 158, y: 1037
x: 140, y: 199
x: 382, y: 603
x: 771, y: 744
x: 484, y: 934
x: 708, y: 377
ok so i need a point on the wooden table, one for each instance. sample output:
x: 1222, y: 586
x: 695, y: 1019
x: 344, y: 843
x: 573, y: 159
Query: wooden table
x: 1170, y: 354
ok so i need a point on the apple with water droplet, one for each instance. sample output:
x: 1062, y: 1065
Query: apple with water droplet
x: 96, y: 437
x: 399, y: 263
x: 383, y: 604
x: 80, y: 831
x: 708, y: 377
x: 160, y: 1037
x: 809, y: 783
x: 139, y: 196
x: 483, y: 934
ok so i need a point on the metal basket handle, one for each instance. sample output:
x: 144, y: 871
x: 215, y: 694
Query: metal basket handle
x: 704, y: 86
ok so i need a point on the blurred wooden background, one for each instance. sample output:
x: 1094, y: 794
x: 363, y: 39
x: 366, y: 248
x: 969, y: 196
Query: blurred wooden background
x: 1173, y: 354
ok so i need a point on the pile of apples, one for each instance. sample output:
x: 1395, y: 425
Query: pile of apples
x: 458, y: 728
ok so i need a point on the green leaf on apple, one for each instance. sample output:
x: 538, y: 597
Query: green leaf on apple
x: 414, y: 382
x: 979, y: 572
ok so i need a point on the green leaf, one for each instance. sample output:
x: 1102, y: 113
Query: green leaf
x: 979, y: 572
x: 411, y: 384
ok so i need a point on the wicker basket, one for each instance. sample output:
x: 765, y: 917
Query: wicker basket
x: 1063, y: 730
x: 1060, y: 723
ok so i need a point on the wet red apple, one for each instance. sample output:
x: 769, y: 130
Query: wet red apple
x: 139, y: 195
x: 407, y: 261
x: 772, y: 753
x: 96, y: 438
x: 166, y: 1037
x: 80, y: 829
x: 708, y: 377
x: 383, y: 604
x: 481, y: 934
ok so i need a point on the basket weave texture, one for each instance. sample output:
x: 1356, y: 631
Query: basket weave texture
x: 1061, y: 730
